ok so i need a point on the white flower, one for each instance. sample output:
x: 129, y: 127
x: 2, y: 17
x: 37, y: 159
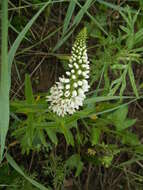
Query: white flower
x: 66, y: 96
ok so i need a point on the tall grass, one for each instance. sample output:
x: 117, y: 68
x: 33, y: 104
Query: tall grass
x: 4, y: 80
x: 6, y: 62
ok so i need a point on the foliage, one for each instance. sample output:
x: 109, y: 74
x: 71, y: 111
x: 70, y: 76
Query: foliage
x: 103, y: 140
x: 10, y: 179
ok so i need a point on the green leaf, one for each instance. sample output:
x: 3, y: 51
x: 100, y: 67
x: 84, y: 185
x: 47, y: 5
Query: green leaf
x: 130, y: 139
x: 114, y: 6
x: 28, y: 90
x: 75, y: 162
x: 120, y: 115
x: 132, y: 80
x: 69, y: 137
x: 105, y: 98
x: 81, y: 12
x: 129, y: 122
x: 52, y: 135
x: 141, y: 3
x: 67, y: 134
x: 119, y: 119
x: 95, y: 136
x: 68, y: 16
x: 4, y: 76
x: 19, y: 170
x: 123, y: 86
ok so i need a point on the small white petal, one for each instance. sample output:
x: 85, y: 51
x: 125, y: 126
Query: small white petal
x: 87, y: 77
x: 74, y: 93
x: 68, y: 73
x: 72, y: 71
x: 67, y: 94
x: 76, y: 65
x: 79, y: 72
x: 80, y: 91
x: 73, y: 77
x: 84, y: 66
x: 66, y: 80
x: 80, y: 83
x: 70, y: 65
x: 60, y: 79
x: 85, y: 74
x: 75, y: 85
x: 67, y: 86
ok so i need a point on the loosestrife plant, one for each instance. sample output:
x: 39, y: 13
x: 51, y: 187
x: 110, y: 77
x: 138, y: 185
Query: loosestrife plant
x: 67, y: 95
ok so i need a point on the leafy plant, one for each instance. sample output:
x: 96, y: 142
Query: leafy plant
x: 31, y: 131
x: 100, y: 141
x: 55, y: 167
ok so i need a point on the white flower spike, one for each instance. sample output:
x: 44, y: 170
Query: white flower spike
x: 67, y: 95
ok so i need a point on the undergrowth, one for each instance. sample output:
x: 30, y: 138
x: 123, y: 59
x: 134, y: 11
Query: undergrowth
x: 98, y: 146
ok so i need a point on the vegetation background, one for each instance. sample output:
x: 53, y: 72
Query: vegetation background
x: 100, y: 146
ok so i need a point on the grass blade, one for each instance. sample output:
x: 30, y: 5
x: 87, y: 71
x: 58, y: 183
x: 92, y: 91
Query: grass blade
x: 114, y: 6
x: 105, y: 98
x: 4, y: 83
x: 82, y: 11
x: 68, y: 16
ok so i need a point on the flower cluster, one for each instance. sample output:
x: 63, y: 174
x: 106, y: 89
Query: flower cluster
x: 67, y: 95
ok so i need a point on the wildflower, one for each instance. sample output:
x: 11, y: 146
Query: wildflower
x: 67, y: 95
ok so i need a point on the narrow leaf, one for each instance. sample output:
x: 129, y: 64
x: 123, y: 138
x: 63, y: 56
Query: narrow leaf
x: 4, y: 83
x: 52, y: 135
x: 68, y: 15
x: 28, y: 90
x: 132, y: 80
x: 95, y: 135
